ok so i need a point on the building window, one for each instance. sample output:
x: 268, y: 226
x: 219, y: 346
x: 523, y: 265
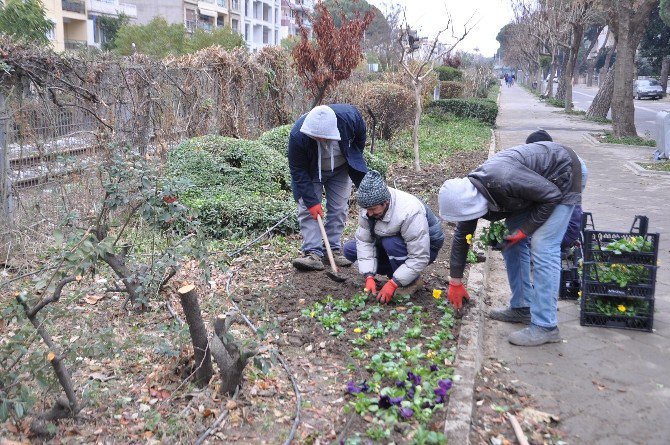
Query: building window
x: 51, y: 33
x: 276, y: 37
x: 235, y: 25
x: 246, y: 32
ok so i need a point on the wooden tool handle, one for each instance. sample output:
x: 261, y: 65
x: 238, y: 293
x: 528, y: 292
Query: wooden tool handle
x: 327, y: 243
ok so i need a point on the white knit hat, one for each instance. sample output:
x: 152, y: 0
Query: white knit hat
x: 460, y: 200
x: 321, y: 122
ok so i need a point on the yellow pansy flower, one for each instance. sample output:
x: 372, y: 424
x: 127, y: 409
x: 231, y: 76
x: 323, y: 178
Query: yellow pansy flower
x: 621, y: 308
x: 579, y: 294
x: 357, y: 330
x: 312, y: 314
x: 468, y: 238
x: 430, y: 354
x: 368, y: 337
x: 437, y: 293
x: 633, y: 239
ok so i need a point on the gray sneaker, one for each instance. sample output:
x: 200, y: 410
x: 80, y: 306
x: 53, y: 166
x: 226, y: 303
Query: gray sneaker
x: 309, y: 261
x: 340, y: 260
x: 511, y: 315
x: 535, y: 335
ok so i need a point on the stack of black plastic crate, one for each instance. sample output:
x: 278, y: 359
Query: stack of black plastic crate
x: 599, y: 293
x: 571, y: 259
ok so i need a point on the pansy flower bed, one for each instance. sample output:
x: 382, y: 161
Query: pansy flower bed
x: 406, y: 356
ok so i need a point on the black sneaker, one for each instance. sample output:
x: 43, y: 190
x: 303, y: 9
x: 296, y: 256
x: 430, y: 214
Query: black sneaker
x: 309, y: 261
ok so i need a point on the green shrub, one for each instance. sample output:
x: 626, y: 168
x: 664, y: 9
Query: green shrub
x: 239, y: 187
x: 277, y: 138
x: 451, y: 90
x: 483, y: 110
x: 447, y: 73
x: 374, y: 162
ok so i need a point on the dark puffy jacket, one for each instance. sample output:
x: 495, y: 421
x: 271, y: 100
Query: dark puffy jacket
x: 303, y: 152
x: 535, y: 177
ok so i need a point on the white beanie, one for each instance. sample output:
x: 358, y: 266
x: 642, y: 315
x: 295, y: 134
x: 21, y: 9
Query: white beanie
x: 321, y: 122
x: 460, y: 200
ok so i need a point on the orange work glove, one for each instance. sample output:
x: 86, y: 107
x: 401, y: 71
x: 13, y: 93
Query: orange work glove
x: 514, y: 238
x: 455, y: 295
x: 370, y: 285
x: 316, y: 210
x: 385, y: 295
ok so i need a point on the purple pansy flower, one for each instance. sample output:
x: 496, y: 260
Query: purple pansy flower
x: 406, y: 412
x: 433, y: 367
x: 410, y: 393
x: 353, y: 389
x: 415, y: 379
x: 399, y: 383
x: 384, y: 402
x: 364, y: 386
x: 396, y: 400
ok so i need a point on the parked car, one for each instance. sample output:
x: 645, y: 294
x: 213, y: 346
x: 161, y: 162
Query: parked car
x: 647, y: 88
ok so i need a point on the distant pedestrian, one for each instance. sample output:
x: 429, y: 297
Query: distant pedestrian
x: 398, y: 235
x: 535, y: 188
x: 325, y: 153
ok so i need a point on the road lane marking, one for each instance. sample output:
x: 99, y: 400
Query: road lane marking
x: 637, y: 107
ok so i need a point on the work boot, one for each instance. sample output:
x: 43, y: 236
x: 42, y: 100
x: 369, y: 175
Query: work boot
x: 340, y: 260
x: 535, y: 335
x: 412, y: 288
x: 309, y: 261
x: 511, y: 315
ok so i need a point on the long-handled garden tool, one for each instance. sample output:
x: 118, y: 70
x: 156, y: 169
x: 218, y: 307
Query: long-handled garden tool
x: 332, y: 274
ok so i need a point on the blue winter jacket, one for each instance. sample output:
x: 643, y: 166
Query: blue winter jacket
x: 303, y: 153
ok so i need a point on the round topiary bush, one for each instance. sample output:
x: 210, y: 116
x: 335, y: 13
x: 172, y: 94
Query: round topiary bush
x: 239, y: 187
x: 451, y: 90
x: 392, y: 104
x: 277, y: 138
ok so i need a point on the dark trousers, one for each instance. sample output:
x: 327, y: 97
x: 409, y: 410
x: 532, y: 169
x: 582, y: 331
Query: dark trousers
x: 391, y: 254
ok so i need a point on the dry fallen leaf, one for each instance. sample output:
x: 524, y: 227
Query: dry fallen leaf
x: 93, y: 299
x: 538, y: 416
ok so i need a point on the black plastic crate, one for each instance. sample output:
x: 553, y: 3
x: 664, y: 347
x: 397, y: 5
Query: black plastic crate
x: 595, y: 242
x: 642, y: 320
x: 570, y: 284
x: 597, y: 282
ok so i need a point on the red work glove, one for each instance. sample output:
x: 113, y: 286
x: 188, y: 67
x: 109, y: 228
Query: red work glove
x: 387, y: 292
x: 514, y: 238
x: 456, y: 293
x: 316, y: 210
x: 371, y: 285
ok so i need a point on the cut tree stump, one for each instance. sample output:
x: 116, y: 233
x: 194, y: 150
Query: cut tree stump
x: 198, y: 331
x: 227, y: 354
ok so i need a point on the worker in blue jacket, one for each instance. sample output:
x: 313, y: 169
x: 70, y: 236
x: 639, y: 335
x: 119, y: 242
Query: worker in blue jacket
x: 325, y: 154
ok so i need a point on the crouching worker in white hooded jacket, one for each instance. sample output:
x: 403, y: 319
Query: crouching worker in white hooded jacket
x: 398, y: 235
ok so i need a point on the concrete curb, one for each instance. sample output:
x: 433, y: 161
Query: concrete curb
x: 641, y: 171
x: 469, y: 354
x: 596, y: 143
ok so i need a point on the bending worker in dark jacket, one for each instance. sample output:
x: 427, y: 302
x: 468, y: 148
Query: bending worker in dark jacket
x: 535, y: 187
x: 325, y: 152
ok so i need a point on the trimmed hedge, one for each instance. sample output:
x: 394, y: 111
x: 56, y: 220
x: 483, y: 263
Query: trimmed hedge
x: 483, y: 110
x: 451, y: 90
x: 238, y: 187
x: 447, y: 73
x: 277, y: 138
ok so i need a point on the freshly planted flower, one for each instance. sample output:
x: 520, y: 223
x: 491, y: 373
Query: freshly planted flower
x: 437, y: 293
x: 433, y: 367
x: 368, y: 337
x: 352, y: 388
x: 468, y: 238
x: 430, y: 354
x: 415, y: 379
x: 621, y: 308
x: 406, y: 412
x: 357, y: 330
x: 442, y: 390
x: 399, y: 383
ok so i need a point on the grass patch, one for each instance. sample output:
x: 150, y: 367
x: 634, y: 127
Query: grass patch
x: 574, y: 112
x: 609, y: 138
x: 600, y: 120
x: 493, y: 92
x: 439, y: 137
x: 661, y: 166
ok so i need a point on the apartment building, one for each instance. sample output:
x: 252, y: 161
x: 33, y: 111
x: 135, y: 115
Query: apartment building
x: 75, y: 21
x: 95, y: 9
x: 257, y: 20
x: 291, y: 10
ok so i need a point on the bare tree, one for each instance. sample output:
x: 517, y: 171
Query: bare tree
x: 418, y: 63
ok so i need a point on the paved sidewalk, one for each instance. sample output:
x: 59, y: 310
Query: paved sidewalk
x: 608, y: 386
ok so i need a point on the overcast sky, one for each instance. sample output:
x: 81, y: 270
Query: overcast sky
x: 429, y: 17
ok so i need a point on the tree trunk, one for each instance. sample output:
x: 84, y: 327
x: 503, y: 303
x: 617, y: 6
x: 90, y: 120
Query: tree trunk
x: 562, y: 78
x: 665, y: 69
x: 577, y: 34
x: 417, y: 121
x: 318, y: 97
x: 198, y: 331
x: 590, y: 71
x: 629, y: 27
x: 227, y: 354
x: 550, y: 79
x: 601, y: 103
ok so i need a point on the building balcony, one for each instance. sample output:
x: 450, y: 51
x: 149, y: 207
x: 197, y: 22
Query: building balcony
x: 75, y: 44
x: 77, y: 6
x: 111, y: 7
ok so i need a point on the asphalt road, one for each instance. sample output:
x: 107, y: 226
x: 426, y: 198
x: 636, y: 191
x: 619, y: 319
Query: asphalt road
x: 645, y: 109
